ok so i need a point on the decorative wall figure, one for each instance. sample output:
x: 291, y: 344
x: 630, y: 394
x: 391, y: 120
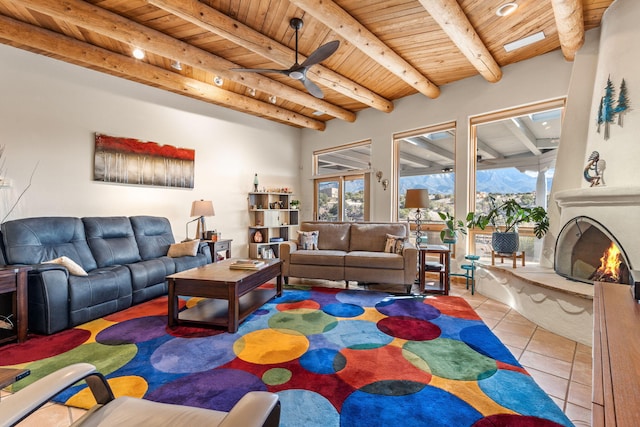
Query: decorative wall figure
x: 594, y: 171
x: 130, y: 161
x: 623, y: 103
x: 607, y: 111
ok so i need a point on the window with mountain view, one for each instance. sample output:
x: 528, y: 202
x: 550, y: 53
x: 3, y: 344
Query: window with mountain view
x: 341, y: 185
x: 425, y: 159
x: 515, y: 158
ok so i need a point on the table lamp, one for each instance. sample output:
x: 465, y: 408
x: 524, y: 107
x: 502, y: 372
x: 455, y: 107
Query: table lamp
x: 201, y: 208
x: 418, y: 198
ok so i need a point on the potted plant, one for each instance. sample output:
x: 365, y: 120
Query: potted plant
x: 453, y: 226
x: 505, y: 219
x: 294, y: 204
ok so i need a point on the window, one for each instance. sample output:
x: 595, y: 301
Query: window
x: 425, y: 159
x: 342, y: 183
x: 515, y: 158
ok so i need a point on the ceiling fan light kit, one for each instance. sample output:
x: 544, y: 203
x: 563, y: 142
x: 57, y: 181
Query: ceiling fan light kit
x: 299, y: 71
x: 507, y: 9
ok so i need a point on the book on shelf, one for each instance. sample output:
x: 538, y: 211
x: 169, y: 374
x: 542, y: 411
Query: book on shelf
x: 246, y: 264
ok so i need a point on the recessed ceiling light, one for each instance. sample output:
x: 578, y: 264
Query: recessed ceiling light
x: 507, y: 9
x: 176, y: 65
x: 138, y: 53
x: 273, y: 99
x: 318, y: 113
x: 526, y: 41
x: 252, y: 91
x: 218, y: 80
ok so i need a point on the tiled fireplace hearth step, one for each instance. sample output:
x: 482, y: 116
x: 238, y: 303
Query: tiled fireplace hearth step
x: 559, y: 305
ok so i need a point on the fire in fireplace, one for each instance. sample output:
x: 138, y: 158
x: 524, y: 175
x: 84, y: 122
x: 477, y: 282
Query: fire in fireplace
x: 586, y: 251
x: 609, y: 270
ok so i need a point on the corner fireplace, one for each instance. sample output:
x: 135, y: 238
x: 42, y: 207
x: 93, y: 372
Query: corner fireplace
x: 586, y: 251
x: 594, y: 220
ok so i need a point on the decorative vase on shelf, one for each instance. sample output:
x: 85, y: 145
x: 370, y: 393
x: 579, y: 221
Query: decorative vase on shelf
x: 255, y: 183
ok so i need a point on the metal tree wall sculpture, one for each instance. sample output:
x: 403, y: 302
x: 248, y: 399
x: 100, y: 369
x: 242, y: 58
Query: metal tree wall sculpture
x: 607, y: 111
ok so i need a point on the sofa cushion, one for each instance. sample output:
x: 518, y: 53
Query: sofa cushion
x: 395, y: 244
x: 308, y: 239
x: 189, y: 248
x: 330, y: 236
x: 148, y: 277
x: 374, y: 260
x: 103, y: 291
x: 318, y: 257
x: 111, y: 240
x: 373, y: 236
x: 153, y: 234
x: 35, y: 240
x: 69, y: 264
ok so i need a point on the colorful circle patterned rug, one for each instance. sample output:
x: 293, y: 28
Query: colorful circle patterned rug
x: 335, y: 358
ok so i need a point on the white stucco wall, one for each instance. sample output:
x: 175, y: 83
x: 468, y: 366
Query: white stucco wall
x: 619, y: 58
x: 50, y: 110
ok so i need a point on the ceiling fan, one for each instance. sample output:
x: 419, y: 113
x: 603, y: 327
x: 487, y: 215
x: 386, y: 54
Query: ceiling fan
x: 299, y: 71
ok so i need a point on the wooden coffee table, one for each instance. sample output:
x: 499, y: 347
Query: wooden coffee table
x: 232, y: 294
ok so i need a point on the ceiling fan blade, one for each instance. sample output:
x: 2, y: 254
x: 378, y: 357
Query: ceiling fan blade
x: 321, y: 53
x: 313, y: 88
x: 260, y: 70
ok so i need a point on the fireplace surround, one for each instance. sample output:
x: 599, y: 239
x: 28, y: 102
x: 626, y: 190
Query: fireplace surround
x: 579, y: 248
x: 594, y: 218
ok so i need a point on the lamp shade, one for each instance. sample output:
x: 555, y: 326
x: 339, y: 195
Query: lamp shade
x: 202, y: 208
x: 417, y: 198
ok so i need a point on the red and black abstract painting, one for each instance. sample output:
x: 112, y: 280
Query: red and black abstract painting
x: 131, y: 161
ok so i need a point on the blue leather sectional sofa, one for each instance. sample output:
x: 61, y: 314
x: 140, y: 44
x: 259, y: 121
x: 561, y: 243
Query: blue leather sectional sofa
x: 125, y: 259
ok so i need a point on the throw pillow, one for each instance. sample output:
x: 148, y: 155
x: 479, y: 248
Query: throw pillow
x: 69, y: 264
x: 189, y: 248
x: 394, y: 244
x: 308, y: 239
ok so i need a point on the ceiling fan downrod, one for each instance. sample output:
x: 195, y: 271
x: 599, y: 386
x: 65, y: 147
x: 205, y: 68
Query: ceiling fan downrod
x: 296, y: 24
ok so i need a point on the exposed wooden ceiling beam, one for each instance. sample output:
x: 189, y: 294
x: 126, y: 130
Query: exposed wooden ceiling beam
x: 336, y: 18
x: 124, y: 30
x: 569, y: 15
x: 453, y: 21
x: 21, y: 34
x: 424, y: 143
x: 520, y: 130
x: 217, y: 22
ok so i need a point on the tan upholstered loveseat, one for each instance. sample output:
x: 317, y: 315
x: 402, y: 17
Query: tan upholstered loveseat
x: 352, y: 251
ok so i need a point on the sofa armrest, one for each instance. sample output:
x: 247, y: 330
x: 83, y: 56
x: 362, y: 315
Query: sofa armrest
x: 254, y: 409
x: 48, y: 286
x: 286, y: 249
x: 410, y: 255
x: 205, y: 249
x: 19, y: 405
x: 40, y: 268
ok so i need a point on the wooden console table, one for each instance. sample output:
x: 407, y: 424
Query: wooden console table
x: 616, y: 356
x: 14, y: 280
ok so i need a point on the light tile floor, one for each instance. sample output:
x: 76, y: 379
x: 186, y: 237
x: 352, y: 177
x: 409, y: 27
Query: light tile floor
x: 560, y: 366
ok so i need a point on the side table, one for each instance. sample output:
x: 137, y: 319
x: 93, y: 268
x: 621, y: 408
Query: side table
x: 222, y: 245
x: 14, y: 280
x: 444, y: 254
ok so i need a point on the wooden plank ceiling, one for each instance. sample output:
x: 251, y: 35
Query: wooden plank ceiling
x: 388, y: 49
